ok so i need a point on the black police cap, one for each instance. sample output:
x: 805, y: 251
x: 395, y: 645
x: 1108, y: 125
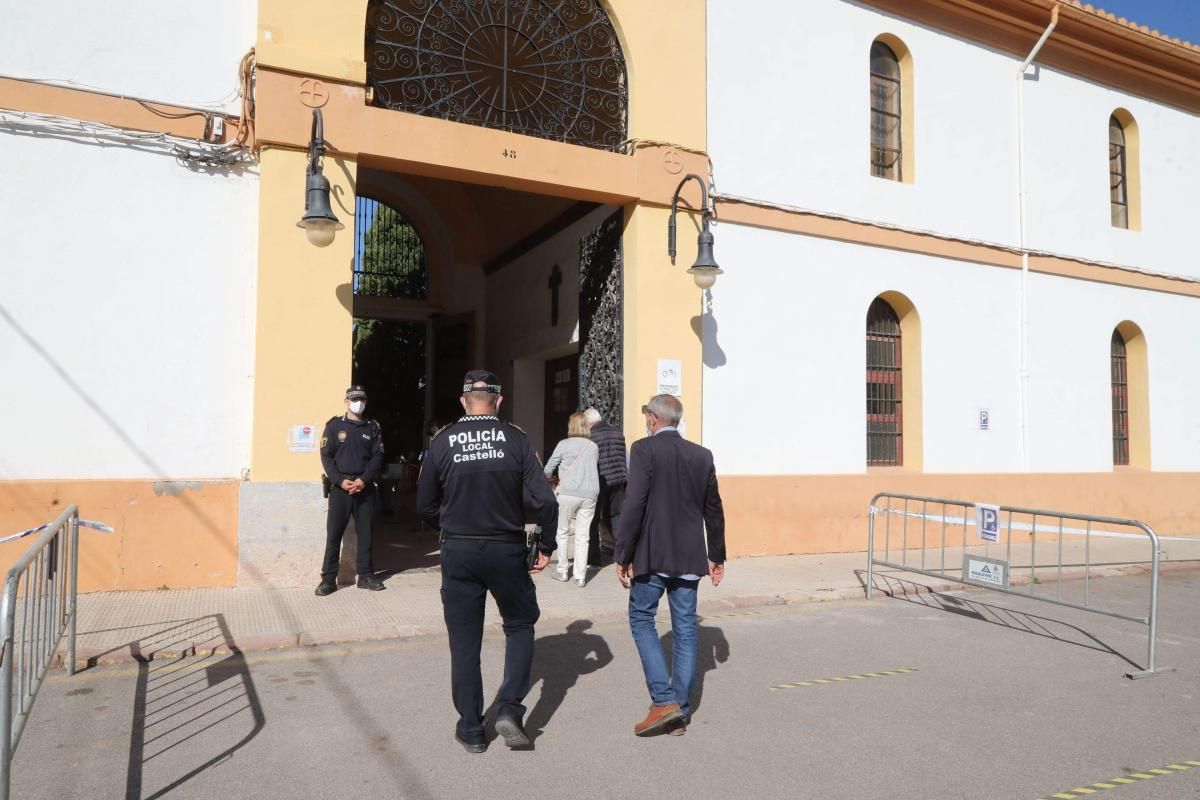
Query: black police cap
x: 356, y: 392
x: 481, y: 376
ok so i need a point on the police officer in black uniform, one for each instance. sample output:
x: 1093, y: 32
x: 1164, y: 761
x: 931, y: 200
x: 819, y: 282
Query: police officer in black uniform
x: 471, y: 487
x: 352, y: 454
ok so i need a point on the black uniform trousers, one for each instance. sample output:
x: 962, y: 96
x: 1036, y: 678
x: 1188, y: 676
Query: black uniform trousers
x: 608, y: 514
x: 470, y: 569
x: 341, y: 505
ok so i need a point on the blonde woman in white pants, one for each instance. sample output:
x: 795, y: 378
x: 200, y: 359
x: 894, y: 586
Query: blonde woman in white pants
x: 575, y: 459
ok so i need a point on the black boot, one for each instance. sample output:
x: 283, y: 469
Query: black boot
x: 509, y: 726
x: 472, y: 744
x: 326, y: 587
x: 370, y: 583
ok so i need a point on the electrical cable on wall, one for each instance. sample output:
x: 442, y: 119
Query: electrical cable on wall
x: 192, y: 152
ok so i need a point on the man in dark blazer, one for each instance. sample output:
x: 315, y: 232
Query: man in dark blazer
x: 671, y: 505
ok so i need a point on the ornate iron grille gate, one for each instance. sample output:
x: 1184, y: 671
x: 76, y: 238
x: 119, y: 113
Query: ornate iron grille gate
x: 547, y: 68
x: 600, y: 313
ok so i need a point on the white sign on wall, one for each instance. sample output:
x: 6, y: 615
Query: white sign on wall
x: 987, y: 522
x: 302, y: 438
x: 670, y: 377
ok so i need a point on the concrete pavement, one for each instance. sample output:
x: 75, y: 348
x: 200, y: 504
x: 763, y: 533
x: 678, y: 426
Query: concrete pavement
x: 963, y: 695
x: 135, y: 626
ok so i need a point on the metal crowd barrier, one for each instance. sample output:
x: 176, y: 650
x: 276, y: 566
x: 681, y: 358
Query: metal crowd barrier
x: 949, y: 520
x: 37, y: 608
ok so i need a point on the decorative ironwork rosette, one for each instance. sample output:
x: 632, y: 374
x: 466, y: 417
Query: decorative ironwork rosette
x: 547, y: 68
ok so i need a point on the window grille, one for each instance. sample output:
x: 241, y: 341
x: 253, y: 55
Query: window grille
x: 547, y: 68
x: 885, y: 443
x: 389, y: 259
x: 1120, y: 400
x: 1117, y: 173
x: 885, y: 113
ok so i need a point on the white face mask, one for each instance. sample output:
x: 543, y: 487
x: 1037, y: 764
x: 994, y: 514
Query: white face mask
x: 358, y: 406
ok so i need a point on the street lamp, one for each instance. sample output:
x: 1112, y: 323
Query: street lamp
x: 705, y: 270
x: 319, y: 223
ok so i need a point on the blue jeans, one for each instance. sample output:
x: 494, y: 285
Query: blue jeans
x: 644, y: 595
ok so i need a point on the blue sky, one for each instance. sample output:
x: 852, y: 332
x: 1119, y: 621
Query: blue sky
x: 1177, y: 18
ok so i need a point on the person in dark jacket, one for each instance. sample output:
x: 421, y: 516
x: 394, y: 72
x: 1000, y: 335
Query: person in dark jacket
x: 472, y: 486
x: 672, y: 505
x: 352, y: 455
x: 614, y: 471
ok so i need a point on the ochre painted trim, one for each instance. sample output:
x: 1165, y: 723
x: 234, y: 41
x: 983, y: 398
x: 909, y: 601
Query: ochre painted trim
x: 166, y: 534
x: 791, y: 221
x: 1084, y: 43
x: 396, y: 141
x: 784, y: 514
x: 108, y: 110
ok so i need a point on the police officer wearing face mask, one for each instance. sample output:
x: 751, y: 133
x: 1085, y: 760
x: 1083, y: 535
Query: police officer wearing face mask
x: 471, y: 487
x: 352, y: 454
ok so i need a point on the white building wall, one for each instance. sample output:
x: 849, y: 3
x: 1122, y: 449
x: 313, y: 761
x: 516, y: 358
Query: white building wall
x: 127, y: 315
x: 784, y: 353
x: 789, y: 117
x: 785, y: 360
x: 172, y: 51
x: 789, y: 124
x: 1071, y: 325
x: 1067, y: 163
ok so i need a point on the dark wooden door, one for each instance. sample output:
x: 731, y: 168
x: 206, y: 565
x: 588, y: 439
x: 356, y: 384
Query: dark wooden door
x: 562, y: 399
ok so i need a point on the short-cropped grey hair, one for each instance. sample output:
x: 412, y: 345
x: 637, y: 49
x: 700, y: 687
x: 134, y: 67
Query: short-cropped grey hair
x: 667, y: 408
x: 593, y: 416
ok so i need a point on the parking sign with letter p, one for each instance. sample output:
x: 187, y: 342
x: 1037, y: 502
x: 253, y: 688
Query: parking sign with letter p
x: 987, y: 522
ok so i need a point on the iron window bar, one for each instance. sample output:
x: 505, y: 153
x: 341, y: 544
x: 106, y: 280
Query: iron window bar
x: 1120, y: 400
x: 886, y: 114
x: 885, y: 443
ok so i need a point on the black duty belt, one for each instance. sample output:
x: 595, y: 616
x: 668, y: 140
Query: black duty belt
x: 508, y: 538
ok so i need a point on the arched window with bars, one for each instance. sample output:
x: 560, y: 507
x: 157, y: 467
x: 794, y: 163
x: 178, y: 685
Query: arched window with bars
x: 1120, y: 399
x: 886, y: 113
x: 1129, y: 369
x: 885, y: 396
x: 1124, y: 184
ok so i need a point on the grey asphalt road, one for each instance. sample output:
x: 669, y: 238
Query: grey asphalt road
x: 1007, y: 699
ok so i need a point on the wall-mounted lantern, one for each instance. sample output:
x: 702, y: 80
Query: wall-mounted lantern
x: 319, y: 222
x: 705, y: 270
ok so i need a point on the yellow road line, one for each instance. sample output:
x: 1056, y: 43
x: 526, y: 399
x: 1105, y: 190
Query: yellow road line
x: 842, y: 678
x: 1124, y: 780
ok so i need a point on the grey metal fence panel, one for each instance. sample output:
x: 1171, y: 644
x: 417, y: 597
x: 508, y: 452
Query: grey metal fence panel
x: 38, y: 607
x: 953, y: 517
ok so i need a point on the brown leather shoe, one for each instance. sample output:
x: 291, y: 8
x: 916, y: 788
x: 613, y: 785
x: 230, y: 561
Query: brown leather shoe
x: 658, y: 720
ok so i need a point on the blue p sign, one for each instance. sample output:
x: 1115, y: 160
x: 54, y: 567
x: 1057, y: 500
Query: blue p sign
x: 987, y: 522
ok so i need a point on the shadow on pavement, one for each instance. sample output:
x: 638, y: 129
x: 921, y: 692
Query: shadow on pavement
x: 712, y: 648
x: 403, y: 545
x: 559, y: 661
x: 204, y: 702
x: 1045, y: 627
